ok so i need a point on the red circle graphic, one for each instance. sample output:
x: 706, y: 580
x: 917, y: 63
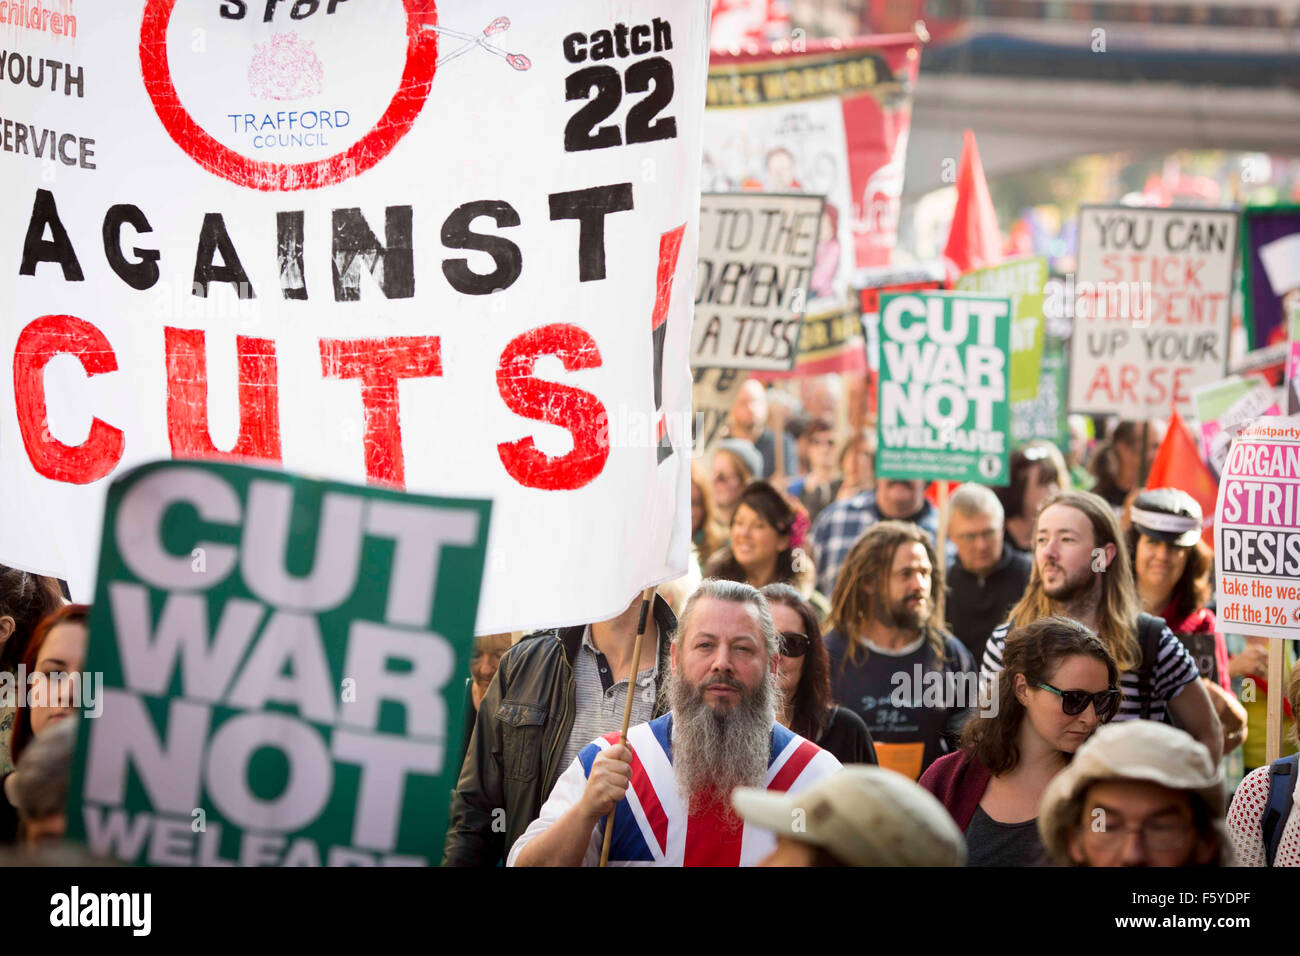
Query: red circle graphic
x: 417, y: 78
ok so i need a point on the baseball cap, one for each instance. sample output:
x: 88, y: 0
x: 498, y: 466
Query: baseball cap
x: 1167, y: 514
x: 1131, y: 750
x: 863, y: 816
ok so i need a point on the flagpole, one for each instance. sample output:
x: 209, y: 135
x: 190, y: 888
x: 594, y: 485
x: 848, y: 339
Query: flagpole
x: 646, y: 597
x: 1273, y: 735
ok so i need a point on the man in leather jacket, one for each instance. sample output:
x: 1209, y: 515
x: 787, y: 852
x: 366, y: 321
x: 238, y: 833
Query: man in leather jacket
x: 525, y: 721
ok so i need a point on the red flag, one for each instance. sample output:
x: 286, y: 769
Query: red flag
x: 1178, y: 464
x: 973, y: 239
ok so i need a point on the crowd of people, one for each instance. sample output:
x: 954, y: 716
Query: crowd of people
x: 839, y: 680
x: 1041, y: 681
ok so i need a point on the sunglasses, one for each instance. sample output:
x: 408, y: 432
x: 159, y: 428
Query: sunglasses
x: 794, y: 644
x: 1075, y: 702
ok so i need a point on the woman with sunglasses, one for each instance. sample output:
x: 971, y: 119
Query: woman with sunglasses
x: 1060, y: 683
x: 805, y: 682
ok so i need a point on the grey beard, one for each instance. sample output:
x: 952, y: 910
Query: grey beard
x: 713, y: 753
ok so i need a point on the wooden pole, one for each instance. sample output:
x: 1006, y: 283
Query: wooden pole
x: 1273, y: 736
x: 646, y: 597
x: 778, y: 447
x: 941, y: 552
x: 1145, y: 466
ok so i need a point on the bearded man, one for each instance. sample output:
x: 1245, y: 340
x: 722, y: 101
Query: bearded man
x: 912, y: 683
x: 670, y: 785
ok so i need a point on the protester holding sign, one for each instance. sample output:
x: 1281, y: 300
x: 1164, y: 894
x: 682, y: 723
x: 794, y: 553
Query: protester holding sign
x: 432, y: 257
x: 912, y: 683
x: 670, y: 785
x: 1263, y: 821
x: 553, y: 692
x: 1081, y: 571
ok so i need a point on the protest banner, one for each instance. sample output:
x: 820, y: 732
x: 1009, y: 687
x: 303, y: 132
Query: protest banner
x: 1270, y: 263
x: 1151, y: 308
x: 755, y: 262
x: 714, y: 392
x: 1024, y: 281
x: 741, y: 22
x: 283, y: 664
x: 1225, y: 407
x: 943, y: 407
x: 872, y: 283
x: 832, y: 120
x: 1292, y: 384
x: 1257, y: 531
x: 431, y: 247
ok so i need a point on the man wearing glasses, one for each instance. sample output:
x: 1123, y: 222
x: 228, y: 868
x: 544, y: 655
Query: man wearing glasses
x: 1137, y: 794
x: 987, y: 577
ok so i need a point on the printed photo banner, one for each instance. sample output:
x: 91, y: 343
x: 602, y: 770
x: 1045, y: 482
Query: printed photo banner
x: 828, y: 120
x: 1257, y: 531
x: 283, y: 666
x: 1270, y: 262
x: 445, y: 247
x: 943, y: 407
x: 1151, y: 308
x: 756, y: 259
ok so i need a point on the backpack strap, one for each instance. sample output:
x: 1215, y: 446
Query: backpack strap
x: 1149, y: 630
x: 1281, y: 791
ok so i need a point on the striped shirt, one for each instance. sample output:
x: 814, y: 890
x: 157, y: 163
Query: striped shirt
x: 599, y: 701
x: 1175, y: 669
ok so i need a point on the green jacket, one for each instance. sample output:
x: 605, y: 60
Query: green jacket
x: 519, y: 734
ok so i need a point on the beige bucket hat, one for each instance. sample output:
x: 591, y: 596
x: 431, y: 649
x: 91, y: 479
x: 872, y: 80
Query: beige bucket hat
x: 863, y: 816
x: 1130, y: 750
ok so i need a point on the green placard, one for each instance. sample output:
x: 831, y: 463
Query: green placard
x: 1043, y: 417
x: 943, y: 408
x: 283, y: 666
x: 1023, y: 280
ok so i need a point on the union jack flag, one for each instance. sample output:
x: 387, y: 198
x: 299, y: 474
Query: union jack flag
x: 652, y: 825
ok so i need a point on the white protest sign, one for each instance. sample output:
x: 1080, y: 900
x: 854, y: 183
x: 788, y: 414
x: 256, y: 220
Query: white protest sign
x: 1257, y: 531
x: 1151, y: 308
x: 440, y: 247
x: 713, y: 394
x: 756, y: 259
